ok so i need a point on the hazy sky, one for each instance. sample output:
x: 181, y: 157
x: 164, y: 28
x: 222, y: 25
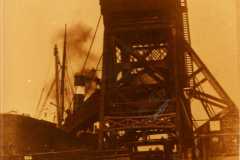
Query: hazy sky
x: 30, y: 26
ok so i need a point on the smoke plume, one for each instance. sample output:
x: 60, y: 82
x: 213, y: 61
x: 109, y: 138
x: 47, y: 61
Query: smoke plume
x: 79, y: 37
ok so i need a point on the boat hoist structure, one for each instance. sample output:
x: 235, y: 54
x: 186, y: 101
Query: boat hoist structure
x: 150, y: 76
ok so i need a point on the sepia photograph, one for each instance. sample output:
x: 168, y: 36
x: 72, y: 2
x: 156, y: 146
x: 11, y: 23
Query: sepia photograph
x: 119, y: 79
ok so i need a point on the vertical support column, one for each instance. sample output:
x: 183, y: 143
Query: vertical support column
x: 107, y: 79
x: 184, y: 128
x: 175, y: 94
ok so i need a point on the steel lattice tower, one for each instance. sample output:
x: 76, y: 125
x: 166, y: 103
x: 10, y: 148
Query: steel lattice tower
x: 145, y: 70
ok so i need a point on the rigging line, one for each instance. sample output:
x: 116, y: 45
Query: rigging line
x: 97, y: 66
x: 39, y: 102
x: 92, y: 42
x: 71, y: 85
x: 69, y: 91
x: 99, y: 62
x: 69, y: 63
x: 50, y: 89
x: 44, y: 87
x: 69, y: 71
x: 48, y: 95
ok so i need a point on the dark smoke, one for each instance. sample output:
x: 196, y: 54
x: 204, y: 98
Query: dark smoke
x: 79, y: 37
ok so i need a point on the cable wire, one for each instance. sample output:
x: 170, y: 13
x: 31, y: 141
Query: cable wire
x: 91, y: 45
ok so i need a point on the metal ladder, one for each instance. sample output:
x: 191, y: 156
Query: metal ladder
x: 186, y: 34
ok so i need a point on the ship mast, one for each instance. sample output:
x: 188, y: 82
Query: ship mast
x: 63, y: 73
x: 59, y: 119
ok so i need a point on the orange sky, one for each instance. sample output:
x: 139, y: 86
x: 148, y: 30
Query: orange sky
x: 30, y: 25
